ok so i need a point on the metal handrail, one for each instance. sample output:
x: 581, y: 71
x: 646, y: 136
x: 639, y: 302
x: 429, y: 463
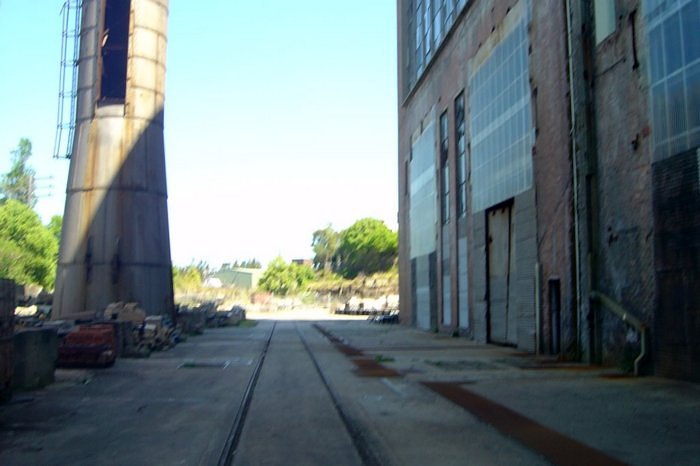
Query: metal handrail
x: 617, y: 309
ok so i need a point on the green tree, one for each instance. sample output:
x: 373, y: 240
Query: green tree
x: 367, y: 246
x: 28, y: 250
x: 19, y: 182
x: 325, y: 246
x: 203, y: 268
x: 11, y: 262
x: 283, y: 279
x: 246, y: 264
x: 187, y: 278
x: 54, y: 226
x: 251, y: 264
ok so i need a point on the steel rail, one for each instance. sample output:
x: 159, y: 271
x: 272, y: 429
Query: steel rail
x: 360, y: 442
x: 229, y: 450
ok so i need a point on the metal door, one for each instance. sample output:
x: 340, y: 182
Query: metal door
x: 501, y: 263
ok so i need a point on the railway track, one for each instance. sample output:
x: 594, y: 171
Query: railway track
x: 359, y: 439
x: 227, y: 454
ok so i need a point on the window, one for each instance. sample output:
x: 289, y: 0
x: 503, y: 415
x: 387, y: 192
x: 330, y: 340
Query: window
x: 427, y: 27
x: 444, y: 169
x: 428, y: 23
x: 437, y: 20
x: 114, y: 43
x: 604, y: 11
x: 449, y: 12
x: 423, y: 213
x: 408, y: 45
x: 460, y: 139
x: 500, y: 122
x: 674, y: 71
x: 419, y: 37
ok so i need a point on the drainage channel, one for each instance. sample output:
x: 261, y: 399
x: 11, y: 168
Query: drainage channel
x: 229, y: 451
x: 367, y: 454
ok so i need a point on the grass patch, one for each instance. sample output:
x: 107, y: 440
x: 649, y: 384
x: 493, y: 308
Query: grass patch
x: 245, y: 323
x: 382, y: 358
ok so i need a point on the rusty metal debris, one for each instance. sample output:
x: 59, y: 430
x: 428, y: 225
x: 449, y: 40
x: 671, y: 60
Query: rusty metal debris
x: 92, y: 345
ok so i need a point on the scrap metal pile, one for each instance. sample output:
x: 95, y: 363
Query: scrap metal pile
x: 208, y: 315
x: 88, y: 345
x: 123, y: 330
x: 383, y: 306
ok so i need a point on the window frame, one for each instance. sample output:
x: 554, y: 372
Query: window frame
x: 460, y: 128
x: 444, y: 150
x: 113, y: 57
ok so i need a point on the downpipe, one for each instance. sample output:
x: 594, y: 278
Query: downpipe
x: 572, y: 135
x: 617, y: 309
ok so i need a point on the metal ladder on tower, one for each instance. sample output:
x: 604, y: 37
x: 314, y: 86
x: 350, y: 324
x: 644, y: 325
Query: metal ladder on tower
x: 68, y: 79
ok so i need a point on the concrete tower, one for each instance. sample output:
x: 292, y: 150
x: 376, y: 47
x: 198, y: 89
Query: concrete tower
x: 115, y: 242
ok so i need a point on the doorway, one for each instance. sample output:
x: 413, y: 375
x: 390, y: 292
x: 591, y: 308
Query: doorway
x: 500, y: 238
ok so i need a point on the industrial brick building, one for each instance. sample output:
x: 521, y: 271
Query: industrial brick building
x: 548, y: 176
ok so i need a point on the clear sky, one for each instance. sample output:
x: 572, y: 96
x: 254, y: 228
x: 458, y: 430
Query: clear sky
x: 280, y: 118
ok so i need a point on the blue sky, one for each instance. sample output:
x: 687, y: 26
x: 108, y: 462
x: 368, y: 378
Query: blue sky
x: 280, y: 118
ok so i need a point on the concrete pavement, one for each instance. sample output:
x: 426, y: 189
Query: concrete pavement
x: 328, y: 390
x: 172, y: 408
x: 645, y: 421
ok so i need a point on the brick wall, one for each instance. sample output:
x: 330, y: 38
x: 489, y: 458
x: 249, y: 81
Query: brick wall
x: 623, y: 153
x: 552, y: 173
x: 550, y: 198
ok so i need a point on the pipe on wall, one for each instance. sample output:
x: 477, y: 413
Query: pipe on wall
x: 627, y: 317
x: 538, y: 308
x: 577, y: 221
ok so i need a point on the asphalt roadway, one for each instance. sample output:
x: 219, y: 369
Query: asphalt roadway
x: 348, y: 392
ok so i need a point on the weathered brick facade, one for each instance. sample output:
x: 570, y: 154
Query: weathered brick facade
x: 541, y: 216
x: 607, y: 198
x: 624, y: 246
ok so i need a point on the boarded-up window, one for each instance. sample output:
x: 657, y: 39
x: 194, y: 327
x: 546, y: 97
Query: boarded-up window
x: 114, y: 44
x: 423, y: 214
x: 500, y: 122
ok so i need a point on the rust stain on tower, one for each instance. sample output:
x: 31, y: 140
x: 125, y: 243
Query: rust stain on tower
x: 115, y: 242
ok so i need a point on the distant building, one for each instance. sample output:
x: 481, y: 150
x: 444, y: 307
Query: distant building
x: 548, y: 167
x: 213, y: 282
x: 307, y: 262
x: 239, y: 277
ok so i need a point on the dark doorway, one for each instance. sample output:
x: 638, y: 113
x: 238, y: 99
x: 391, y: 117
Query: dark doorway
x: 555, y: 315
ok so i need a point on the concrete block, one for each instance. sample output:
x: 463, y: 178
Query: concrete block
x: 35, y: 353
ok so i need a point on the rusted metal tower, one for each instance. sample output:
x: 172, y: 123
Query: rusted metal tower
x: 115, y: 242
